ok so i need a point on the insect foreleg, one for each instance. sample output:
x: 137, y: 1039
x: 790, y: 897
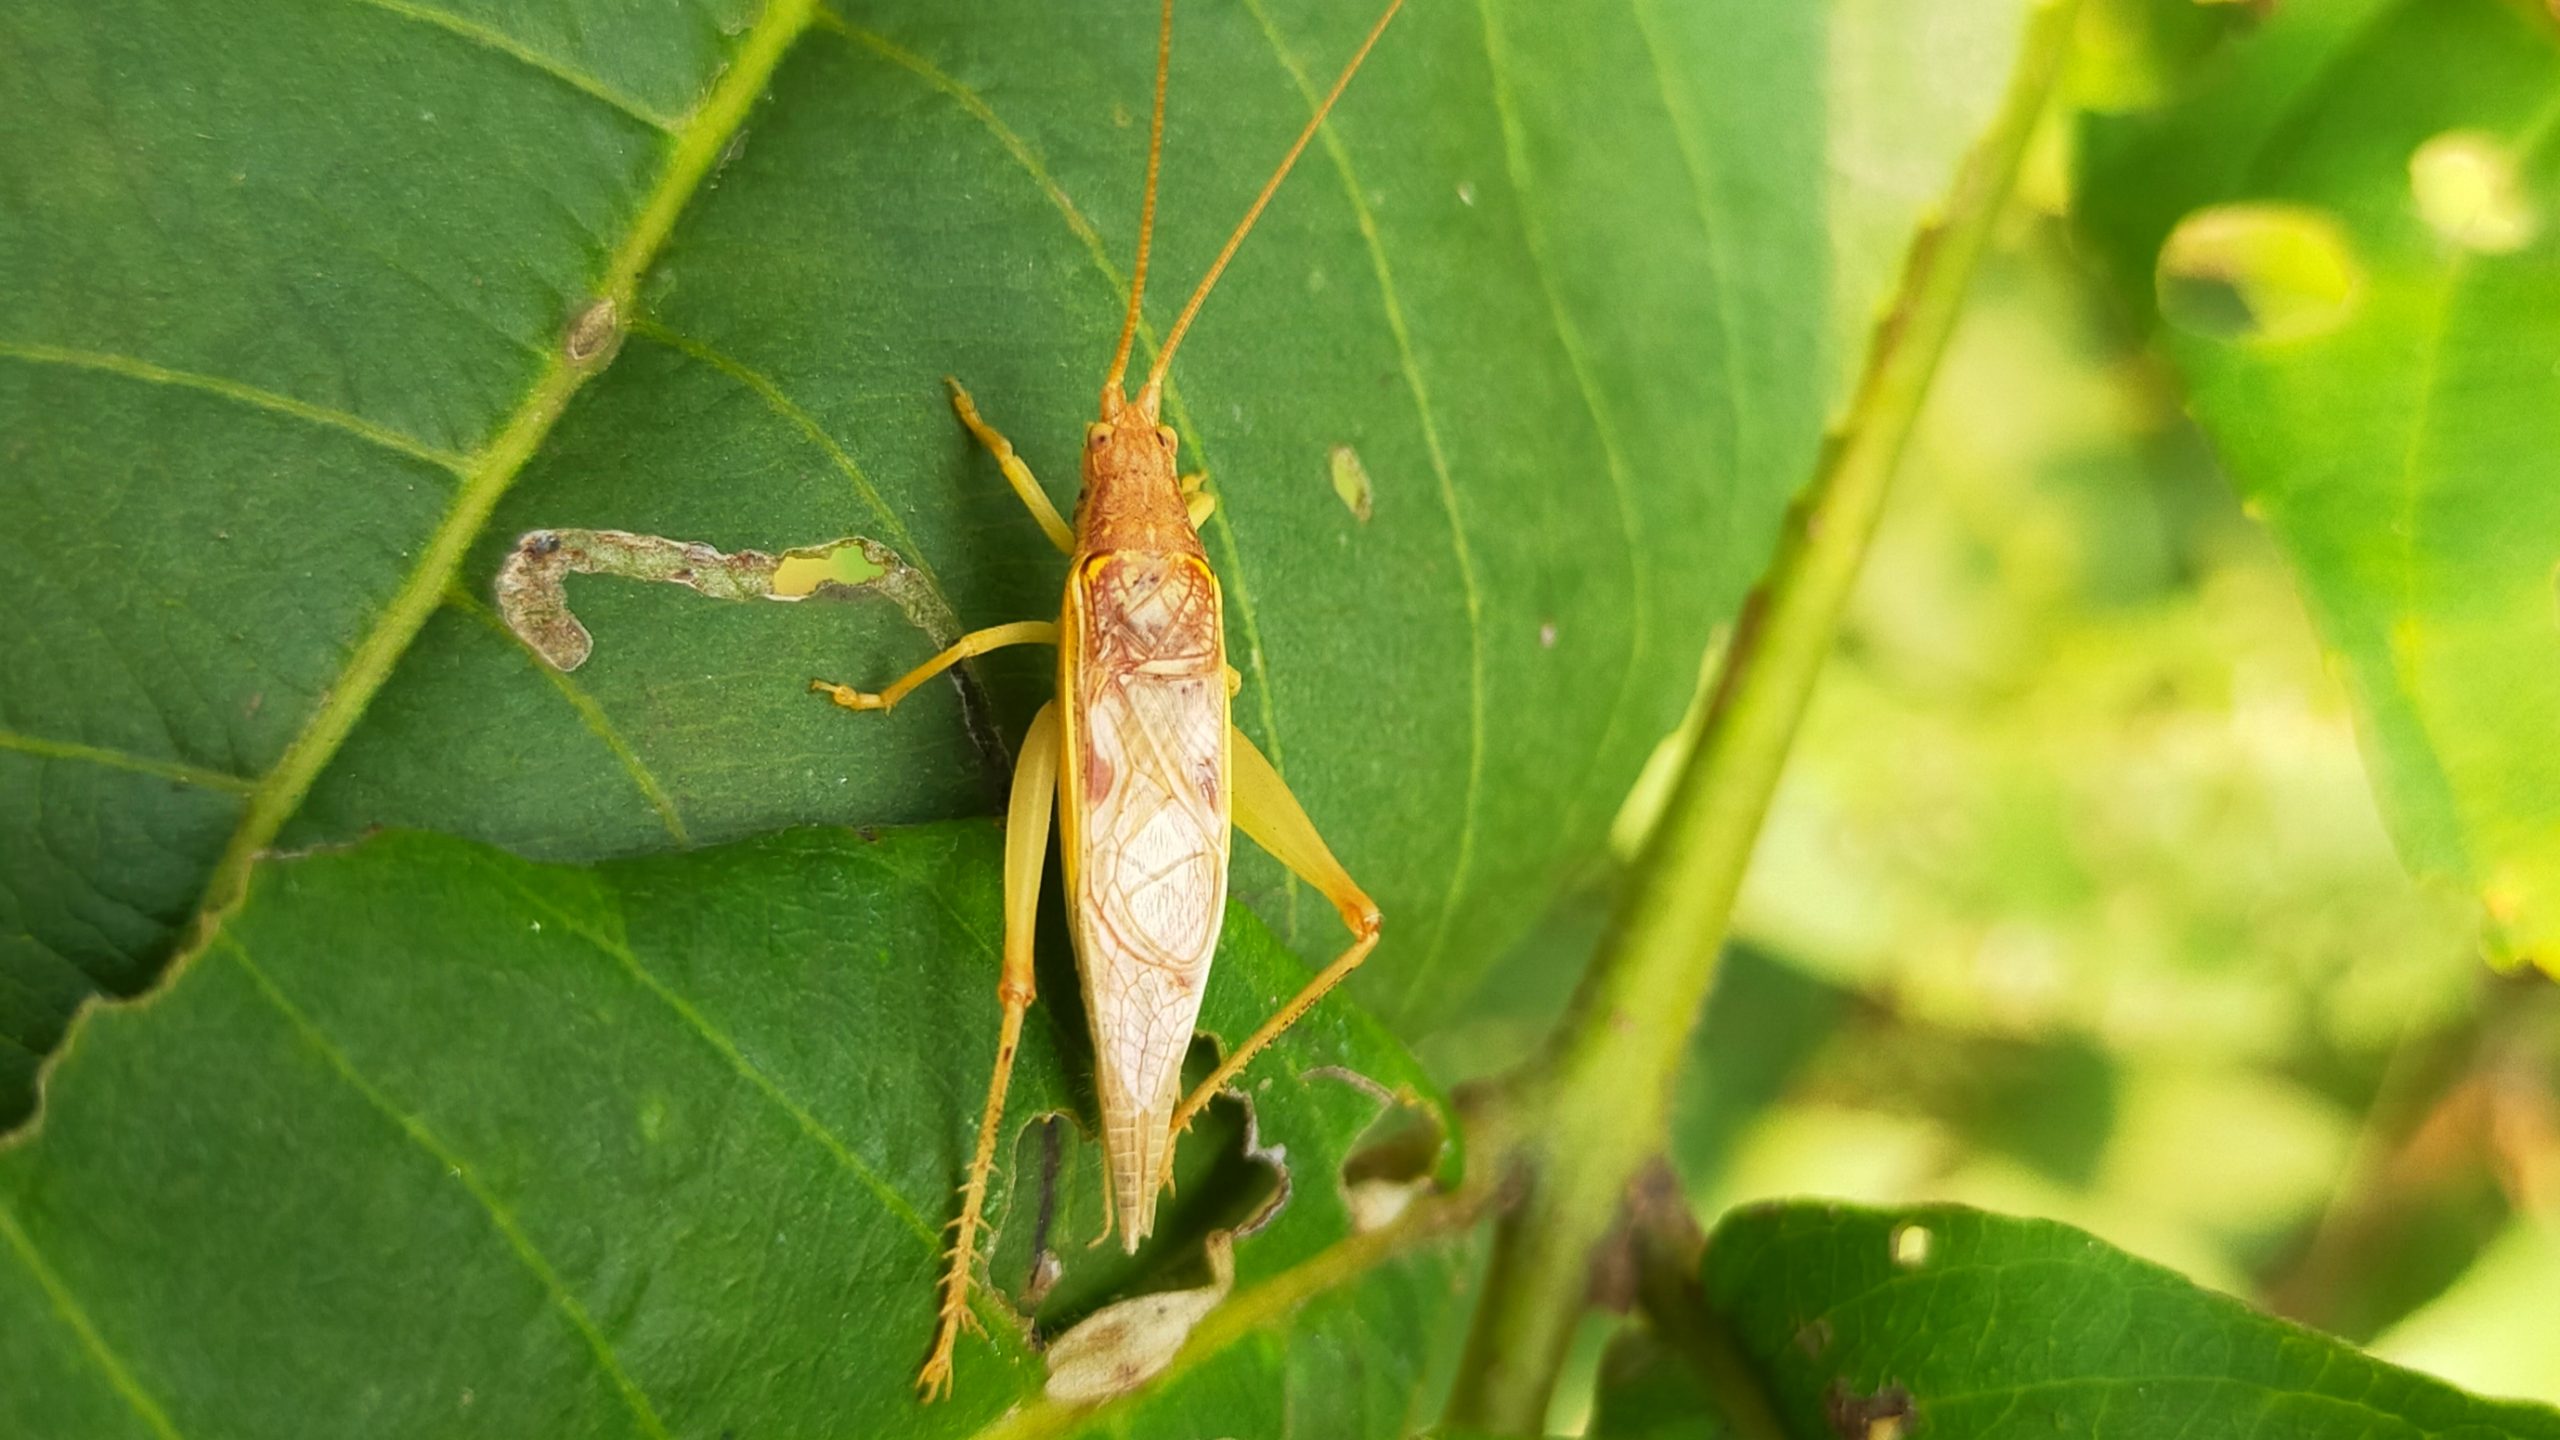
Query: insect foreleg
x: 1026, y: 845
x: 1265, y: 810
x: 1196, y: 499
x: 1016, y: 473
x: 976, y: 642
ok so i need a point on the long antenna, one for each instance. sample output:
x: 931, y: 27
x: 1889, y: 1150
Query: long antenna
x: 1112, y: 396
x: 1149, y: 393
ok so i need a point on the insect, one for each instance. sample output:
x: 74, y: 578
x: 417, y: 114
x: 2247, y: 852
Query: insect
x: 1147, y: 773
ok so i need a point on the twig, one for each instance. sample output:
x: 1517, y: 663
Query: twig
x: 1596, y: 1100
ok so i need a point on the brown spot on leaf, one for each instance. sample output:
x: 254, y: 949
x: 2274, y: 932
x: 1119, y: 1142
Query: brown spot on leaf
x: 1122, y: 1346
x: 1888, y: 1414
x: 594, y: 335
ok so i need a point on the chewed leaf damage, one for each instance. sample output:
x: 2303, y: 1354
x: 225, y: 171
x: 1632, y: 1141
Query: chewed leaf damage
x: 1122, y: 1346
x: 533, y: 599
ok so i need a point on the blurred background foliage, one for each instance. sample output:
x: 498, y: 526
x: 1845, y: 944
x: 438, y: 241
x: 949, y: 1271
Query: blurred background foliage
x: 2075, y: 901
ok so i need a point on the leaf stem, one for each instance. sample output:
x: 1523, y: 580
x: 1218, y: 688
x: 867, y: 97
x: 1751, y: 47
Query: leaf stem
x: 1666, y: 1245
x: 1596, y: 1100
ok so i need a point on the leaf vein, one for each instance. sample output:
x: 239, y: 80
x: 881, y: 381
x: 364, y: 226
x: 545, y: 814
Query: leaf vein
x: 1471, y: 589
x: 727, y: 1049
x: 500, y: 1217
x: 68, y: 1309
x: 2407, y: 644
x: 780, y: 402
x: 1693, y: 163
x: 1639, y: 568
x: 490, y: 38
x: 177, y: 771
x: 757, y: 1079
x: 143, y: 370
x: 698, y: 148
x: 590, y: 713
x: 1232, y: 571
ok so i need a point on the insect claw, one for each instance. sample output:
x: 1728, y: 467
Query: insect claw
x: 934, y: 1382
x: 850, y: 698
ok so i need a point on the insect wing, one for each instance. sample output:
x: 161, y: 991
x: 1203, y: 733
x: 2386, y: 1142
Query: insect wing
x: 1145, y: 780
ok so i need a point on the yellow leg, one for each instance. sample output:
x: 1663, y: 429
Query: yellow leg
x: 1265, y: 810
x: 1110, y: 1219
x: 976, y: 642
x: 1016, y: 473
x: 1026, y: 845
x: 1196, y: 498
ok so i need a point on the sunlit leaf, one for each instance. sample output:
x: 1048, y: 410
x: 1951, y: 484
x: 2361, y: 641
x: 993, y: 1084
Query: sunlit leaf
x: 297, y: 295
x: 1939, y: 1320
x: 2368, y: 188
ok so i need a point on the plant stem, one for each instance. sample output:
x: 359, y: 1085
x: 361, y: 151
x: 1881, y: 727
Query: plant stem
x: 1596, y: 1101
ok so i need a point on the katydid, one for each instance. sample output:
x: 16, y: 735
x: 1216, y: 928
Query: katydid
x: 1146, y: 770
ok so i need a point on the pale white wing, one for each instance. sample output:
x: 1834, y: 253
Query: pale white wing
x: 1148, y: 841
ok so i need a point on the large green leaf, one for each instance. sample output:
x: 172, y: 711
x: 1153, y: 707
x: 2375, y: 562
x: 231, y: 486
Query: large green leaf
x: 302, y: 327
x: 2362, y: 299
x: 1939, y: 1320
x: 432, y: 1139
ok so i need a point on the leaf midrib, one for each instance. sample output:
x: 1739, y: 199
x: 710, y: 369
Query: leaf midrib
x: 699, y: 143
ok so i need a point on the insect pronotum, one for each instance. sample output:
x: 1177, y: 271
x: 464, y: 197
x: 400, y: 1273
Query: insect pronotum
x: 1145, y: 767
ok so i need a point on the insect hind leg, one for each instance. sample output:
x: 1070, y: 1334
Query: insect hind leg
x: 1026, y: 846
x: 1265, y: 810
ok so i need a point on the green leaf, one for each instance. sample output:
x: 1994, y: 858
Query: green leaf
x: 430, y: 1138
x: 1764, y: 1023
x: 2347, y: 227
x: 1650, y: 1391
x: 307, y: 326
x: 1941, y: 1320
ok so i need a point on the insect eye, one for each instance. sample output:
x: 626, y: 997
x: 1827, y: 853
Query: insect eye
x: 1165, y: 434
x: 1095, y: 436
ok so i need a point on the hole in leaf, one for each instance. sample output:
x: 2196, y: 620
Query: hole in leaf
x: 2257, y: 272
x: 1888, y: 1414
x: 1911, y: 1246
x: 1122, y: 1345
x: 1226, y: 1181
x: 1395, y: 1160
x: 2465, y: 185
x: 534, y: 602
